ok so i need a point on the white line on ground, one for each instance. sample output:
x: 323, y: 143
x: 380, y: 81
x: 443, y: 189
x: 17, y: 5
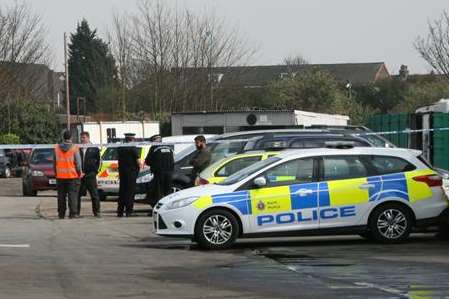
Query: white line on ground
x: 14, y: 245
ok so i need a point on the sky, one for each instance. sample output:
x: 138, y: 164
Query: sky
x: 323, y: 31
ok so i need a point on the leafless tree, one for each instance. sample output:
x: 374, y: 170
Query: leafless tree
x: 435, y: 47
x: 22, y: 45
x: 172, y: 53
x: 121, y: 43
x: 293, y: 60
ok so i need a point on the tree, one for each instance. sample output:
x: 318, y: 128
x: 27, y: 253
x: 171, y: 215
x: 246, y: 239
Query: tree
x: 166, y: 57
x: 32, y: 122
x: 383, y: 95
x: 435, y: 47
x: 316, y: 91
x: 22, y: 43
x: 422, y: 93
x: 9, y: 139
x: 312, y: 91
x: 91, y: 66
x: 293, y: 60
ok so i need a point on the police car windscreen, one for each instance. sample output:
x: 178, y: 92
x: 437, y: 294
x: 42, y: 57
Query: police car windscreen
x: 246, y: 172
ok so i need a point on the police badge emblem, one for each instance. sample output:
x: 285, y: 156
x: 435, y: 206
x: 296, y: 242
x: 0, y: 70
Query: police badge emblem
x: 261, y: 205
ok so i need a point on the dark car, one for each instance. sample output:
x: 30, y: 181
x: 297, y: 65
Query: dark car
x: 40, y: 173
x: 5, y: 164
x: 238, y: 142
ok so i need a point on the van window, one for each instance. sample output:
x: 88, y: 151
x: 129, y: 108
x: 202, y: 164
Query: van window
x: 343, y: 167
x: 386, y: 165
x: 292, y: 172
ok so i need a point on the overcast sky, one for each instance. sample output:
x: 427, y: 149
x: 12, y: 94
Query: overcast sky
x: 323, y: 31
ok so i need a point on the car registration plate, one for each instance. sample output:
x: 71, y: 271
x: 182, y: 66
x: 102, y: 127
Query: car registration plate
x: 52, y: 181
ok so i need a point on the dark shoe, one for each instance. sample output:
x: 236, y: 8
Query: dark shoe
x: 61, y: 217
x: 74, y: 216
x: 120, y: 215
x: 97, y: 215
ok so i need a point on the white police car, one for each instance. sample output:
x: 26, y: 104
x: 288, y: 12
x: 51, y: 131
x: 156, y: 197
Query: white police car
x: 376, y: 192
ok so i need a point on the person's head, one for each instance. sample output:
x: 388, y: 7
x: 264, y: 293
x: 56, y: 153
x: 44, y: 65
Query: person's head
x: 85, y: 137
x: 156, y: 138
x: 130, y: 137
x: 67, y: 135
x: 200, y: 142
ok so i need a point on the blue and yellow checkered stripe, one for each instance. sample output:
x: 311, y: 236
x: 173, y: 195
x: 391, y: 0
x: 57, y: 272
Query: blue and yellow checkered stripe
x: 324, y: 194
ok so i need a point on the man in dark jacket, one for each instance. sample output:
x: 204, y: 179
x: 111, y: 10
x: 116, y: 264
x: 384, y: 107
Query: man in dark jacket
x: 201, y: 159
x: 160, y: 159
x: 129, y: 165
x: 90, y: 161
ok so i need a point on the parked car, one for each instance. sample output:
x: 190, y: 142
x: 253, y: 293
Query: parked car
x: 220, y: 170
x: 225, y: 145
x: 5, y: 164
x: 39, y: 174
x: 108, y: 176
x: 379, y: 193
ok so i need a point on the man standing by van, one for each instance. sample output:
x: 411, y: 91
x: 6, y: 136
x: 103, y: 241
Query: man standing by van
x: 90, y: 160
x: 68, y: 173
x: 201, y: 159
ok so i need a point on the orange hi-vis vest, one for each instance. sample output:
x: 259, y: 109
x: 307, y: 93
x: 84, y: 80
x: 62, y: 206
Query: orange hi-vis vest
x: 65, y: 163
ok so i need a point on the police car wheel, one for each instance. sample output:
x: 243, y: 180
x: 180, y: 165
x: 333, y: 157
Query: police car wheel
x: 390, y: 223
x: 216, y: 229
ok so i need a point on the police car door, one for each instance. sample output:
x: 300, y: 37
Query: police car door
x: 289, y: 201
x: 348, y: 189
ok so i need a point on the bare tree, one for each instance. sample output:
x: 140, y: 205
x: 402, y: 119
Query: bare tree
x: 435, y: 47
x: 172, y: 53
x: 121, y: 43
x: 293, y: 60
x: 22, y: 44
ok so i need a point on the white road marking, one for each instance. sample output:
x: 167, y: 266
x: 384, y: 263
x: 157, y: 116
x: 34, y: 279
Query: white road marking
x: 14, y: 245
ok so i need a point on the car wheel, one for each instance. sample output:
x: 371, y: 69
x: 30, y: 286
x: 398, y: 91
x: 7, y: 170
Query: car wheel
x: 101, y: 195
x: 390, y: 223
x: 28, y: 191
x: 7, y: 172
x: 216, y: 229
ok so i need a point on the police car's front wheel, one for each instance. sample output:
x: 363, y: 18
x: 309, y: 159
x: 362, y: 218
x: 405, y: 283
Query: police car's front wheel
x: 216, y: 229
x: 390, y: 223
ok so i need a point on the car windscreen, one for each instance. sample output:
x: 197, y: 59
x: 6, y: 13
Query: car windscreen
x: 376, y: 141
x: 244, y: 173
x: 42, y: 156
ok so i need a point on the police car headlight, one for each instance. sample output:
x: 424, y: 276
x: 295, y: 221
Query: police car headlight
x: 180, y: 203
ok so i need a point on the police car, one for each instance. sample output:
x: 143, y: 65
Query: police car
x: 380, y: 193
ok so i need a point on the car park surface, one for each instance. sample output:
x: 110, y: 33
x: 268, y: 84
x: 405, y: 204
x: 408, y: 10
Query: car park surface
x: 80, y: 258
x: 379, y: 193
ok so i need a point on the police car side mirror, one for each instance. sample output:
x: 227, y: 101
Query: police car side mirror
x: 260, y: 182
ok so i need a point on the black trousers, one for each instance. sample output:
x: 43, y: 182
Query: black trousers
x: 161, y: 186
x: 127, y: 192
x: 89, y: 183
x: 68, y: 191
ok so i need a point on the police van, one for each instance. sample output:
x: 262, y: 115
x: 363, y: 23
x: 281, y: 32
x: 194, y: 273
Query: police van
x: 376, y: 192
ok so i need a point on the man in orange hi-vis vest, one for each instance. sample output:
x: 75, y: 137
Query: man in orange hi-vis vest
x: 68, y: 173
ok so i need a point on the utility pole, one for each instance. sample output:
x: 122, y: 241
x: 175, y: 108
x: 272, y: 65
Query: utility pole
x: 67, y: 85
